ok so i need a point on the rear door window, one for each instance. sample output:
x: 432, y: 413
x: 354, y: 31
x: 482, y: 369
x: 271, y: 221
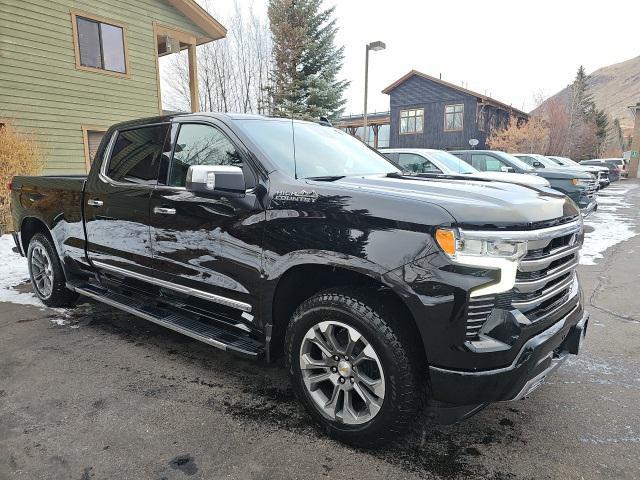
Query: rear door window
x: 136, y: 155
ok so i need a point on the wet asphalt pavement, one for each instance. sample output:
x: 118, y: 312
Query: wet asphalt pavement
x: 92, y: 393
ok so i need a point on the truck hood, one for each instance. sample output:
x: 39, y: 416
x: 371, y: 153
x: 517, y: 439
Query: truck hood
x: 519, y: 178
x: 478, y: 203
x: 562, y: 173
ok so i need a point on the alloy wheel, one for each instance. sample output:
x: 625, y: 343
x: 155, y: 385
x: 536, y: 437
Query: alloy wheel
x: 42, y: 271
x: 342, y: 373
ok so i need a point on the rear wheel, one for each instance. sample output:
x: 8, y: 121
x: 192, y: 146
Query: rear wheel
x: 47, y: 276
x: 352, y: 365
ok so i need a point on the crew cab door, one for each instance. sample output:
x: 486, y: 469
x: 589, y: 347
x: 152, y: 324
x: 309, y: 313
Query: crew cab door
x: 117, y: 200
x: 207, y: 245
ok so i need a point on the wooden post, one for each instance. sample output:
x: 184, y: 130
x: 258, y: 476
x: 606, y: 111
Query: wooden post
x: 375, y: 135
x: 193, y: 79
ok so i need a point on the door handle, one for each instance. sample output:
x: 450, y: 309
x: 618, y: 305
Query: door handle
x: 95, y: 203
x: 164, y: 210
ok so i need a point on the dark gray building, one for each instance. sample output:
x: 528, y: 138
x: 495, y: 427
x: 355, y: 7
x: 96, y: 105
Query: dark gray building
x: 427, y: 112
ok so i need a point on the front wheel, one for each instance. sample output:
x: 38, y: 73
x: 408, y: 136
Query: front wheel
x: 47, y: 276
x: 354, y: 366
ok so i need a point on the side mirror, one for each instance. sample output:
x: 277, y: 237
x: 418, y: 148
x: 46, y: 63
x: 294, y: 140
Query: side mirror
x: 537, y: 164
x: 507, y: 169
x: 223, y: 180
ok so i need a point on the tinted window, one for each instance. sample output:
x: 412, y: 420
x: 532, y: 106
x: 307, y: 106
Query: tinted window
x: 411, y: 162
x: 136, y: 155
x: 526, y: 159
x: 200, y: 145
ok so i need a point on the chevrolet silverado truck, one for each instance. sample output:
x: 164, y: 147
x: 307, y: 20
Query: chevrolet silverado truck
x: 275, y: 238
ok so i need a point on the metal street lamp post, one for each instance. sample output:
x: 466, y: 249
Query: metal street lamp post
x: 375, y: 46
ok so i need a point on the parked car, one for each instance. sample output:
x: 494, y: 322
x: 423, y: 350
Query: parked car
x: 621, y: 163
x: 424, y: 161
x: 602, y: 173
x: 614, y: 167
x: 579, y: 186
x: 380, y: 289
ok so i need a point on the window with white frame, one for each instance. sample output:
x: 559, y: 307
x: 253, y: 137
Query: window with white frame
x: 411, y: 121
x: 453, y: 117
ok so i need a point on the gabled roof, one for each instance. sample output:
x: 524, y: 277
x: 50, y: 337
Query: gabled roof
x: 198, y: 15
x: 479, y: 96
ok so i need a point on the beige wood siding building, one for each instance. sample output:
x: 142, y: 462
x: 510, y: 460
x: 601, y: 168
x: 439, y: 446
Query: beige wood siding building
x: 71, y: 68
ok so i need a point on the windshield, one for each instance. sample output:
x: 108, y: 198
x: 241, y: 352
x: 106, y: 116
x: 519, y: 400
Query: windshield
x: 545, y: 161
x: 515, y: 161
x: 319, y: 151
x: 558, y: 161
x: 451, y: 162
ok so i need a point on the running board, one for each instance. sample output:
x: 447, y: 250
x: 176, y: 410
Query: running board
x: 204, y: 332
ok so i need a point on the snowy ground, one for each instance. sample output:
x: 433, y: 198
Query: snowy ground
x: 615, y: 221
x: 14, y: 272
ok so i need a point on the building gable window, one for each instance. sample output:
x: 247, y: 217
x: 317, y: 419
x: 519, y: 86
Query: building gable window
x: 100, y: 45
x: 411, y: 121
x: 453, y: 117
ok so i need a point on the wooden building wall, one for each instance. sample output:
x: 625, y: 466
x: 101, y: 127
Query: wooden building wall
x: 41, y: 90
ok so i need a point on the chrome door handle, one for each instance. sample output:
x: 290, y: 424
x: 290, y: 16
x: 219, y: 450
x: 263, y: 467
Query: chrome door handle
x: 164, y: 210
x: 95, y: 203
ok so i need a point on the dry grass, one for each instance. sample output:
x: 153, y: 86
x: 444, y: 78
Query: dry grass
x: 19, y: 155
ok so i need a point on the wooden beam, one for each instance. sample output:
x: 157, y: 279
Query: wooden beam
x: 193, y: 79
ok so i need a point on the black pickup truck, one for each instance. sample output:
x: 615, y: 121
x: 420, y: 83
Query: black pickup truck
x: 271, y: 237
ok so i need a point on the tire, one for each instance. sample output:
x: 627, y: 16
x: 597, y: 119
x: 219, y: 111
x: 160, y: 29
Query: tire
x: 397, y: 361
x: 47, y: 276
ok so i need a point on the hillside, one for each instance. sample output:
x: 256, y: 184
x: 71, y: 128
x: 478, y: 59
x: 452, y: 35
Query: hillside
x: 613, y: 88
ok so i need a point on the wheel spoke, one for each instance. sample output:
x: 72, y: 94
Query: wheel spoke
x: 318, y: 377
x: 315, y: 337
x: 308, y: 363
x: 367, y: 354
x: 332, y: 341
x: 348, y: 414
x: 354, y: 337
x: 376, y: 386
x: 373, y: 404
x: 331, y: 406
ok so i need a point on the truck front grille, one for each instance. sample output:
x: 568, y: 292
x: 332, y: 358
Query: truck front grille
x: 544, y: 281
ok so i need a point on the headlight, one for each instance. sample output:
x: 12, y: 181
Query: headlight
x: 468, y: 250
x: 458, y: 247
x: 580, y: 182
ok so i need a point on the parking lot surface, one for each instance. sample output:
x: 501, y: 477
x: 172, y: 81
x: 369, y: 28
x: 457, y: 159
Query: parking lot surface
x: 93, y: 393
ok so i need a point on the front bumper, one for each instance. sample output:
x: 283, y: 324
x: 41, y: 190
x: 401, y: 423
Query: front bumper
x: 536, y: 360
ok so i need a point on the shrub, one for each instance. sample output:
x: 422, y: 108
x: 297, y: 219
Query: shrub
x: 19, y: 155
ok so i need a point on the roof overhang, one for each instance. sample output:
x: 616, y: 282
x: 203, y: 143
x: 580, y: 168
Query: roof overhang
x: 210, y: 26
x: 479, y: 96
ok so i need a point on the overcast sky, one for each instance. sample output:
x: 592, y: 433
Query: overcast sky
x: 509, y: 49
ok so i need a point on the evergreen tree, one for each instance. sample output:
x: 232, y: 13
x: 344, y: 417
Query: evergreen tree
x: 306, y: 61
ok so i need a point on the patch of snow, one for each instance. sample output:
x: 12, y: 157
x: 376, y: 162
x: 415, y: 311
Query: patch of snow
x: 612, y: 223
x: 13, y: 272
x: 59, y: 321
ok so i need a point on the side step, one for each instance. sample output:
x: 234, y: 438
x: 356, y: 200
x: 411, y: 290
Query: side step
x: 204, y: 332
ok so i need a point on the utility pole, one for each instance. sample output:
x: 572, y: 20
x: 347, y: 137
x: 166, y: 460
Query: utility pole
x: 635, y: 144
x: 375, y: 46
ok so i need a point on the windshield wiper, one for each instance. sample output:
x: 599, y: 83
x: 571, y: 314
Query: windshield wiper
x: 326, y: 178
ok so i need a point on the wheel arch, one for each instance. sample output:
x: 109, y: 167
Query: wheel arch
x: 301, y: 281
x: 31, y: 226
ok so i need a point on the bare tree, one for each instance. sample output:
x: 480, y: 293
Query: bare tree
x: 233, y: 73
